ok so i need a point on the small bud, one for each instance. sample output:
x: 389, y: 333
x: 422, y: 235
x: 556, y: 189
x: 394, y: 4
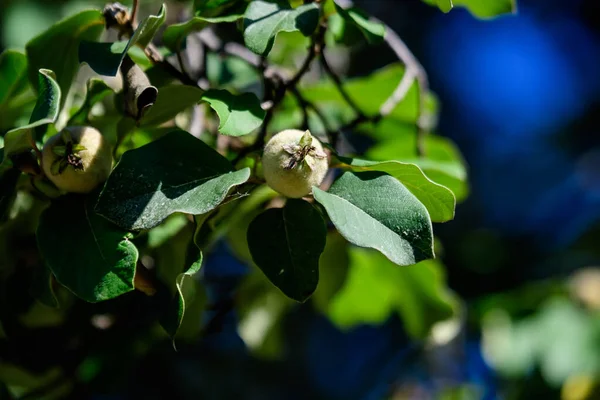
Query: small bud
x: 306, y: 139
x: 139, y: 94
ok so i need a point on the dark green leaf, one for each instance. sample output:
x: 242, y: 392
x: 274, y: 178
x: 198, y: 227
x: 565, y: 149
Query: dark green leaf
x: 264, y: 20
x: 13, y: 70
x: 56, y: 48
x: 171, y: 320
x: 90, y: 256
x: 214, y: 7
x: 373, y: 209
x: 286, y: 244
x: 376, y: 288
x: 438, y: 200
x: 97, y: 90
x: 372, y: 31
x: 171, y: 100
x: 176, y: 173
x: 8, y: 182
x: 106, y: 58
x: 230, y: 73
x: 175, y: 34
x: 46, y: 109
x: 238, y: 115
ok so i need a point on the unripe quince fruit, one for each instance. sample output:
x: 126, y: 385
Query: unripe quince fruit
x: 294, y: 162
x: 77, y: 159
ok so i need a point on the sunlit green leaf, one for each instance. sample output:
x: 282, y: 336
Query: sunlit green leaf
x: 238, y: 115
x: 264, y: 20
x: 479, y: 8
x: 175, y: 34
x: 438, y: 200
x: 176, y: 173
x: 372, y: 31
x: 373, y: 209
x: 375, y: 289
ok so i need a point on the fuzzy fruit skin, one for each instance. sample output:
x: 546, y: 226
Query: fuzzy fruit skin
x: 298, y: 181
x: 96, y: 160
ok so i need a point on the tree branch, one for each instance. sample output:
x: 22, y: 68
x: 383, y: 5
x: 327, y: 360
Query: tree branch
x: 134, y: 12
x: 414, y: 70
x: 339, y: 85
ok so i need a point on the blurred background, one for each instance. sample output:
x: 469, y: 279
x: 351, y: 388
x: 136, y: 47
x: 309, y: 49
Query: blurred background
x: 520, y: 97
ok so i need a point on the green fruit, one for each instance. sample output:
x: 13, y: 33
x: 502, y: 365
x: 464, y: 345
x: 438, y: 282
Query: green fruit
x: 294, y: 162
x: 77, y: 159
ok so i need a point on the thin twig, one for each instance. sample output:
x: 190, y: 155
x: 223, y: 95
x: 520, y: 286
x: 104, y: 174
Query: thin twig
x: 134, y: 12
x: 414, y: 70
x: 154, y: 55
x: 306, y: 105
x: 182, y: 65
x: 339, y: 85
x: 214, y: 43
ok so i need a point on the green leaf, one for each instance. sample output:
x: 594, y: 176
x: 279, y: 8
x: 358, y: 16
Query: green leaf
x: 373, y: 209
x: 333, y: 269
x: 375, y: 289
x: 13, y: 70
x: 560, y: 339
x: 487, y: 8
x: 444, y: 5
x: 238, y: 115
x: 442, y: 162
x: 286, y: 244
x: 105, y: 58
x: 46, y: 109
x: 171, y: 320
x: 175, y: 34
x: 230, y: 73
x: 264, y: 20
x: 379, y: 86
x: 171, y: 100
x: 479, y: 8
x: 372, y: 31
x: 90, y: 256
x: 56, y: 48
x: 164, y: 232
x: 176, y: 173
x: 438, y: 200
x: 97, y: 90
